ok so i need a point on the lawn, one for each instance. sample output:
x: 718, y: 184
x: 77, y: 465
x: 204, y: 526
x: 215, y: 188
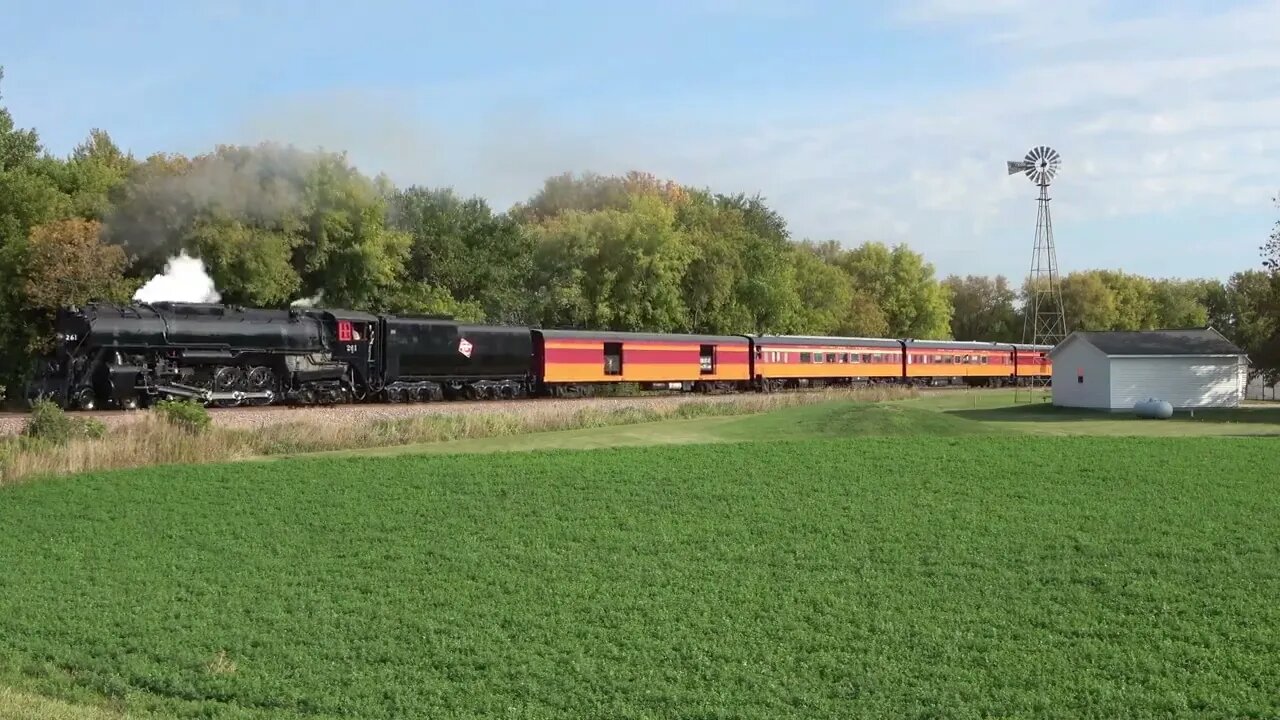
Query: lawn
x: 976, y: 412
x: 948, y: 575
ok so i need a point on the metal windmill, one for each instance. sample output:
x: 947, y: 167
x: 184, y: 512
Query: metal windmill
x: 1045, y: 322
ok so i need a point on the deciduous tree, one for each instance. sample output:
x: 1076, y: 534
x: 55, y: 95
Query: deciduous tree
x: 460, y: 246
x: 983, y: 309
x: 913, y: 302
x: 825, y: 292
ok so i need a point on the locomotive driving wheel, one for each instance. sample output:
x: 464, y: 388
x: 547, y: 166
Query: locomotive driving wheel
x: 260, y: 379
x: 85, y: 399
x: 227, y: 379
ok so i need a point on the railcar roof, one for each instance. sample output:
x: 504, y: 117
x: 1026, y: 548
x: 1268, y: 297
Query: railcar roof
x: 959, y: 345
x: 339, y: 314
x: 486, y: 327
x: 825, y: 340
x: 625, y: 336
x: 449, y: 320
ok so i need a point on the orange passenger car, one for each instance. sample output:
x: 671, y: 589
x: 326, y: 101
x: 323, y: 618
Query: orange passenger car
x: 783, y: 361
x: 569, y: 358
x: 944, y: 362
x: 1033, y: 361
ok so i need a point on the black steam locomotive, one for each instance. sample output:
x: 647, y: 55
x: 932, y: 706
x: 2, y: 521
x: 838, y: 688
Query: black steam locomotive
x: 127, y: 356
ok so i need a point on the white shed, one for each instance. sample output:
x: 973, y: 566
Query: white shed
x: 1196, y: 368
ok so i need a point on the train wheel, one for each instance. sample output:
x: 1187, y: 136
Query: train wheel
x: 85, y: 399
x: 260, y: 379
x: 228, y: 379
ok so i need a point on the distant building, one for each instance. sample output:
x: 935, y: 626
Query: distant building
x: 1197, y: 368
x: 1259, y: 390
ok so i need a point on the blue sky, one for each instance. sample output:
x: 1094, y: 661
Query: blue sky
x: 859, y: 121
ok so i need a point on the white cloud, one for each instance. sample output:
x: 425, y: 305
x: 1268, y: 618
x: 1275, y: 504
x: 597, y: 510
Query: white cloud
x: 1166, y: 113
x: 1170, y: 111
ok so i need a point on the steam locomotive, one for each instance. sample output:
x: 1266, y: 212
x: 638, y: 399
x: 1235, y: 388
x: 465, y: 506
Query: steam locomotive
x: 128, y: 356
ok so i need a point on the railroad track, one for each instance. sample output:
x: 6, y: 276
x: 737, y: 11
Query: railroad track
x: 460, y: 404
x: 496, y: 403
x: 248, y: 416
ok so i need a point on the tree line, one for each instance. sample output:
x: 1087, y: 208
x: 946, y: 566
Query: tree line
x: 276, y: 224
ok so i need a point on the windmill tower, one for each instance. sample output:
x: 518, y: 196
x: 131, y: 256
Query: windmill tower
x: 1045, y: 322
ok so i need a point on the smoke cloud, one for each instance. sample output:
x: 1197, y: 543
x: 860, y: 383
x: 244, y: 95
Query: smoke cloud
x: 262, y: 185
x: 184, y: 280
x: 309, y: 302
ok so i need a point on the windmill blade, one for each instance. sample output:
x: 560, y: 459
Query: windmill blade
x: 1040, y: 164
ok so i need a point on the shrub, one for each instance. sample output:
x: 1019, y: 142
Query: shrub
x: 48, y: 422
x: 90, y: 428
x: 184, y: 414
x: 7, y: 450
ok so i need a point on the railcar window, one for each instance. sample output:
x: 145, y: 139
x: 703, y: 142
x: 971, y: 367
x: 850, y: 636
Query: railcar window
x: 986, y: 360
x: 613, y: 358
x: 844, y: 357
x: 805, y: 357
x: 817, y: 357
x: 831, y: 357
x: 707, y: 359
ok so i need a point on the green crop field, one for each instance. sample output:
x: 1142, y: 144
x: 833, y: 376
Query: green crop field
x: 849, y: 568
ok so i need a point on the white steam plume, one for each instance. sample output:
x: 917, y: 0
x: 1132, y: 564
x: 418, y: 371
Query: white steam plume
x: 184, y: 280
x: 309, y: 302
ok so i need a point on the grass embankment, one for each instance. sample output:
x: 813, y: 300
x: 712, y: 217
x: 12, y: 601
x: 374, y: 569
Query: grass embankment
x: 152, y: 441
x: 882, y: 577
x: 933, y: 414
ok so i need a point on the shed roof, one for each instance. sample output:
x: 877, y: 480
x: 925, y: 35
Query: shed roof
x: 1187, y: 342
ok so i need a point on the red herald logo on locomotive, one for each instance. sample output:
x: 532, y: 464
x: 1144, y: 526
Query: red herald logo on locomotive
x: 464, y: 347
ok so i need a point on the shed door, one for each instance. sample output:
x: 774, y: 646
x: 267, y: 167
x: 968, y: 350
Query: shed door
x: 1184, y: 382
